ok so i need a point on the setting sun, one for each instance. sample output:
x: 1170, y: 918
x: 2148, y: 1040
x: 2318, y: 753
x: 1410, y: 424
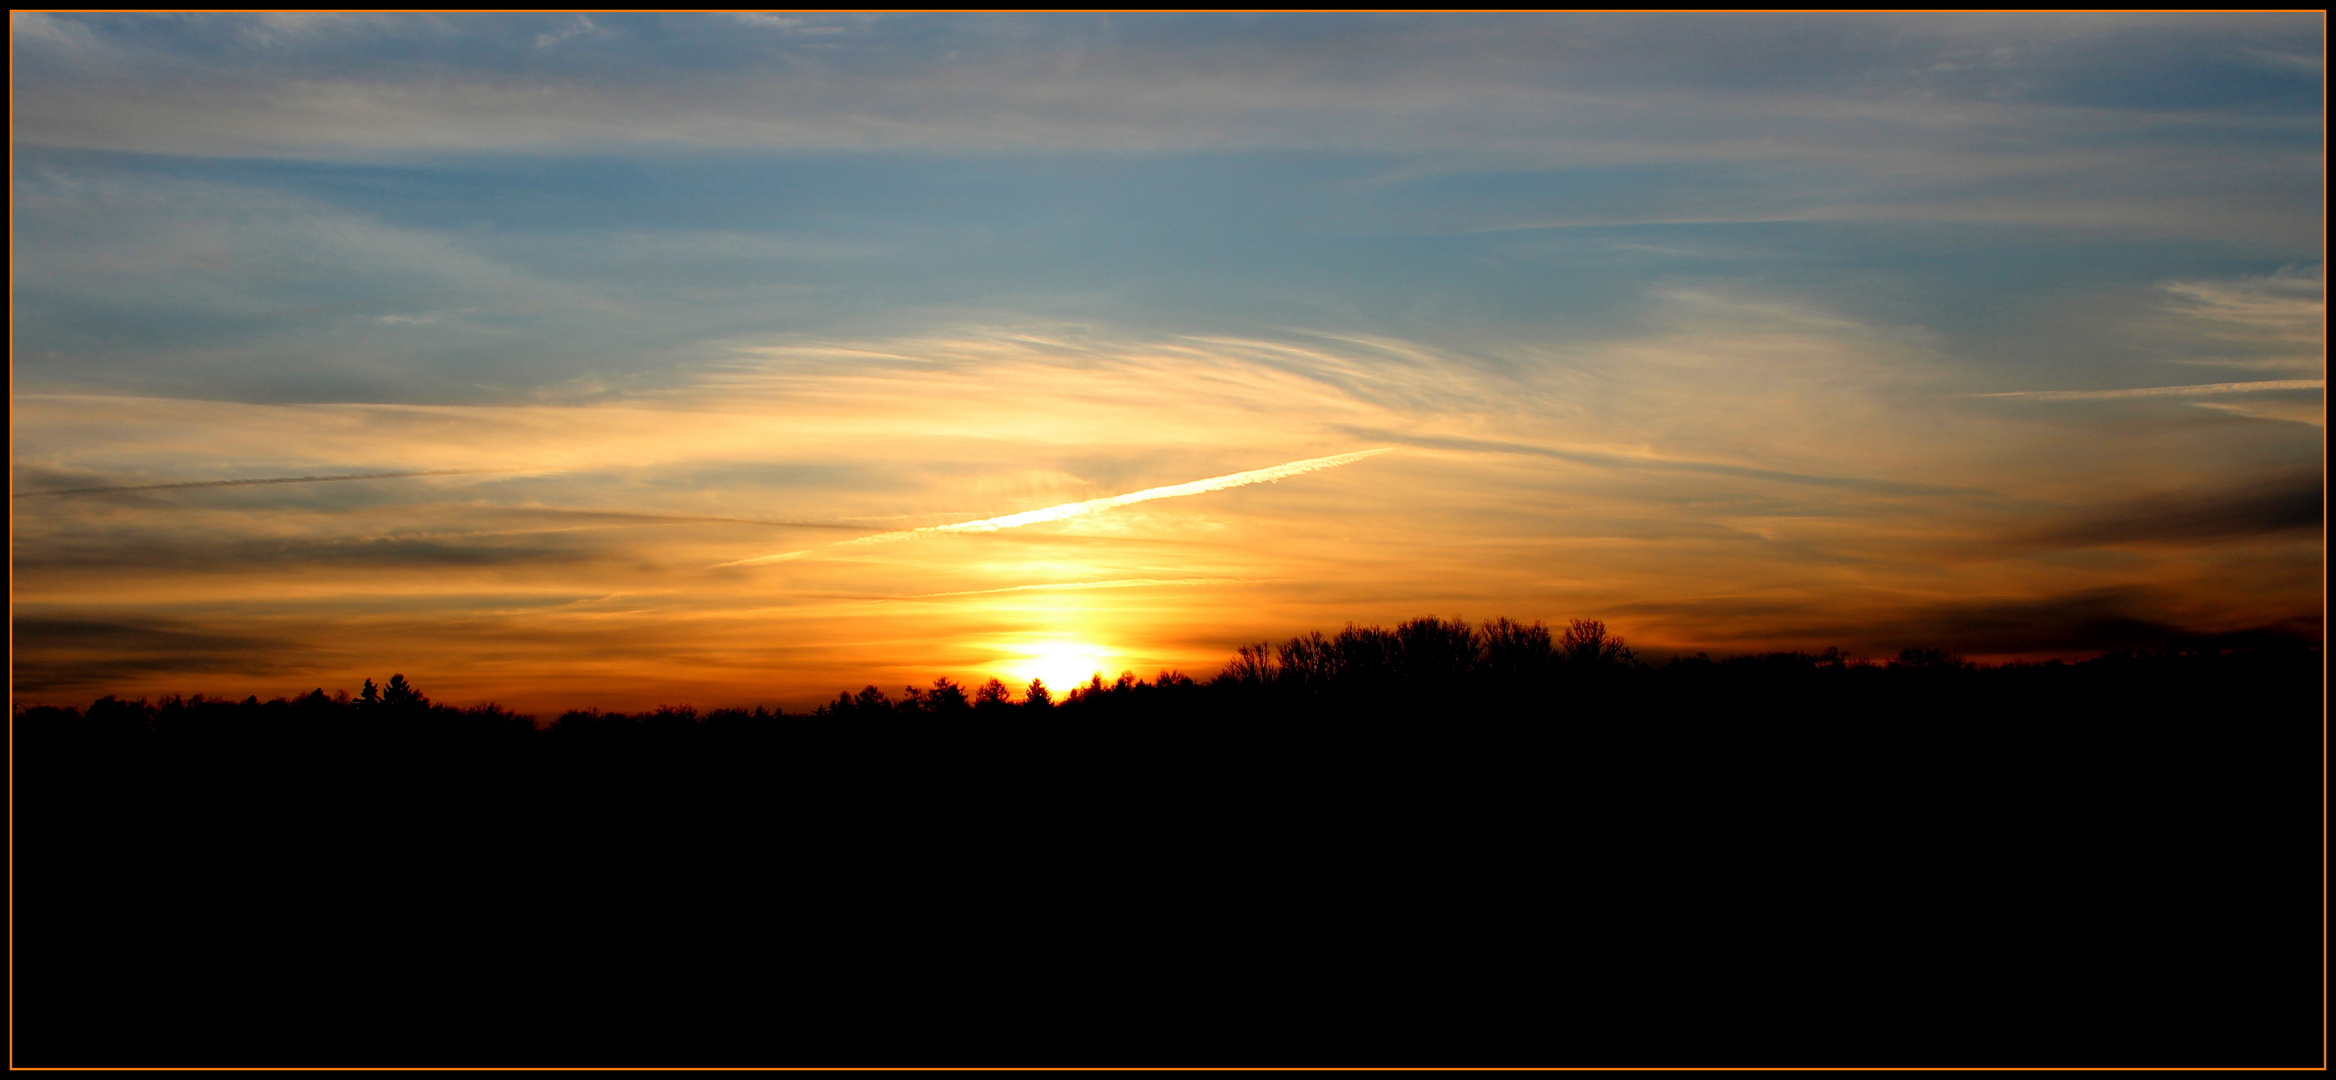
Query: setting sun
x: 1062, y: 665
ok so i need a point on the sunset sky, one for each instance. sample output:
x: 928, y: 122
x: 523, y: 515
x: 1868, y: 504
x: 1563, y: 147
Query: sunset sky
x: 736, y: 359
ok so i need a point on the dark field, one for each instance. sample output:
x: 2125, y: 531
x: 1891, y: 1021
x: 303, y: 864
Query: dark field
x: 1432, y: 846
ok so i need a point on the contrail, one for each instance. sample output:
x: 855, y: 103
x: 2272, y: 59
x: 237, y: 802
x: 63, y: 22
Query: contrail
x: 2167, y: 391
x: 244, y: 483
x: 1057, y: 513
x: 1117, y: 583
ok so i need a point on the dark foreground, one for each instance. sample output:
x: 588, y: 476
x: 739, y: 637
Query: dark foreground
x: 1779, y: 861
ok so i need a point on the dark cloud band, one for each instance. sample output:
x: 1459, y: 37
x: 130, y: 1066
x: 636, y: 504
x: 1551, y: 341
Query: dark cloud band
x: 2291, y: 503
x: 192, y: 484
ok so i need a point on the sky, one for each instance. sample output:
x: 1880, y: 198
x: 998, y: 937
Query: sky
x: 612, y: 361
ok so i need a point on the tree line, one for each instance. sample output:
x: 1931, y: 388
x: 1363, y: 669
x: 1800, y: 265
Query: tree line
x: 1440, y: 843
x: 1423, y: 666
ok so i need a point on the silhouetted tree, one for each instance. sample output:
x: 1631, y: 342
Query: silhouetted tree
x: 1585, y: 644
x: 1089, y: 694
x: 1515, y: 652
x: 1438, y: 655
x: 1037, y: 696
x: 869, y: 702
x: 1252, y: 665
x: 400, y: 694
x: 590, y: 724
x: 946, y: 699
x: 1306, y: 663
x: 1927, y: 659
x: 1369, y: 665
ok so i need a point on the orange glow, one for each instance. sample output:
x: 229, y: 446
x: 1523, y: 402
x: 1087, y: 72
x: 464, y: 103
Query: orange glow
x: 589, y: 570
x: 1061, y: 664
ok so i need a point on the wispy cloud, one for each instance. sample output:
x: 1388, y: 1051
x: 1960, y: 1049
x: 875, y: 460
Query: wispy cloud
x: 1613, y: 460
x: 1894, y: 116
x: 2275, y: 322
x: 2200, y: 390
x: 2308, y: 413
x: 1069, y: 510
x: 1120, y: 583
x: 254, y: 482
x: 1132, y: 79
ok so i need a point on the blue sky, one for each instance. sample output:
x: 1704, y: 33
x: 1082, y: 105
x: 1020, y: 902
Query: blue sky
x: 1876, y: 253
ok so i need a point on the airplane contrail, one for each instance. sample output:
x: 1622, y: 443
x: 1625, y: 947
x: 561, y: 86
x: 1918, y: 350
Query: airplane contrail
x: 1117, y: 583
x: 2167, y: 391
x: 245, y: 483
x: 1056, y: 513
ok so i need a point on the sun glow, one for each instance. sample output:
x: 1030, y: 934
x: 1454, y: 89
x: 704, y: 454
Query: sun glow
x: 1061, y: 664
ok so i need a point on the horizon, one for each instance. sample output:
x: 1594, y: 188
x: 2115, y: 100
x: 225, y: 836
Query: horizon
x: 633, y: 359
x: 2271, y: 640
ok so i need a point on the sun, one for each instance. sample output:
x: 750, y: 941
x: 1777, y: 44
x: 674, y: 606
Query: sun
x: 1062, y: 664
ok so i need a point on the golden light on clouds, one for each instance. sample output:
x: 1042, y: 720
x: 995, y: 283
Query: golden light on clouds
x: 869, y: 394
x: 1786, y: 481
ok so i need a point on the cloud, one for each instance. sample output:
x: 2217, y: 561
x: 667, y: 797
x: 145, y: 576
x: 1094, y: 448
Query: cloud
x: 2200, y: 390
x: 1859, y: 116
x: 2275, y: 322
x: 2081, y: 622
x: 2071, y: 623
x: 619, y: 517
x: 163, y: 282
x: 2293, y: 503
x: 131, y: 554
x: 582, y: 25
x: 1613, y: 460
x: 189, y: 484
x: 1122, y: 583
x: 2310, y: 413
x: 51, y: 653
